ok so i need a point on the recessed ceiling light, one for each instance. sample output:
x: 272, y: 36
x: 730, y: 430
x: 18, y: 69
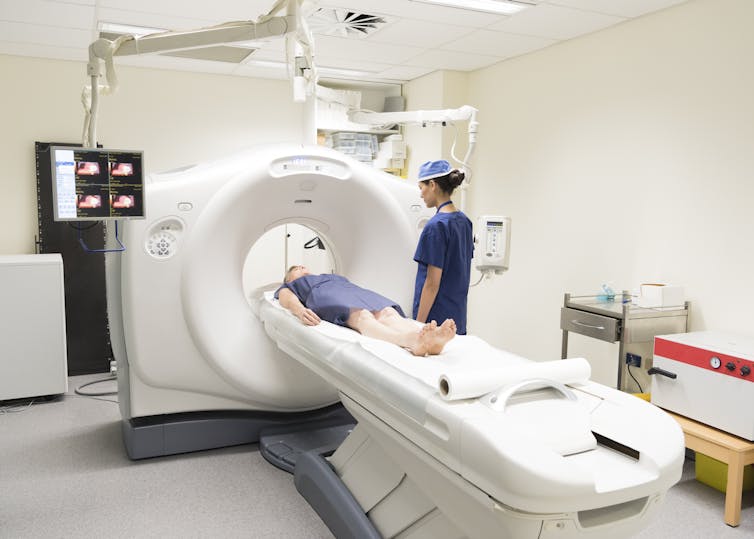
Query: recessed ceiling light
x: 335, y: 71
x: 127, y: 29
x: 501, y: 7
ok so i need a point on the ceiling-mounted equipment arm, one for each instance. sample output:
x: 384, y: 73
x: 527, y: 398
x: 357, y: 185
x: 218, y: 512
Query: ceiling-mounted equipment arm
x: 418, y: 117
x: 426, y: 118
x: 270, y: 25
x: 226, y: 33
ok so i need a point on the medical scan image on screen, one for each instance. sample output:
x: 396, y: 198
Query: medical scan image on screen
x: 93, y: 184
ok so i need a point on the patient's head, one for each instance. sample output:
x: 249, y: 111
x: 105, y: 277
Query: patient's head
x: 294, y: 272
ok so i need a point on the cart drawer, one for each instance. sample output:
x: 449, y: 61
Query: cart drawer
x: 592, y: 325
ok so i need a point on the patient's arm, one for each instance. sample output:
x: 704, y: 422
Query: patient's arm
x: 290, y: 301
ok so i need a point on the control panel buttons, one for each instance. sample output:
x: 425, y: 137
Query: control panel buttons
x: 160, y: 244
x: 730, y: 366
x: 745, y: 370
x: 163, y: 238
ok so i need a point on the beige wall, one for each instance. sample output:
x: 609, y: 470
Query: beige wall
x: 176, y: 118
x: 625, y: 156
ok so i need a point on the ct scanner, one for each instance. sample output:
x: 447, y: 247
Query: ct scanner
x: 472, y: 443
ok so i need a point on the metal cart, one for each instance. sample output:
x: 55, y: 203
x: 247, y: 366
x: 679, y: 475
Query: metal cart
x: 619, y: 320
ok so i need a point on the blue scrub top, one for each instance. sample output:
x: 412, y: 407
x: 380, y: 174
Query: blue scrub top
x: 446, y: 242
x: 333, y: 297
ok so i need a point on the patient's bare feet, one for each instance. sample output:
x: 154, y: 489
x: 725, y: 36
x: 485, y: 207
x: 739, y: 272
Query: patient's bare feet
x: 442, y: 335
x: 420, y: 342
x: 433, y: 338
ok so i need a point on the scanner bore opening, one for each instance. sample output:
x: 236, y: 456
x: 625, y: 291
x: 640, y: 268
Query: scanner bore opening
x: 284, y: 246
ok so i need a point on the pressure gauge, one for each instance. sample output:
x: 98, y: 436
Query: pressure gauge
x: 714, y: 362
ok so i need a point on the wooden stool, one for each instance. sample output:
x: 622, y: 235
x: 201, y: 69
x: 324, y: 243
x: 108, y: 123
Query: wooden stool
x: 735, y: 452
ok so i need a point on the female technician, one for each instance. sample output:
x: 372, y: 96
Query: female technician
x: 445, y: 249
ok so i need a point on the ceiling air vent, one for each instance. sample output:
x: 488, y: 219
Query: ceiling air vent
x: 344, y: 23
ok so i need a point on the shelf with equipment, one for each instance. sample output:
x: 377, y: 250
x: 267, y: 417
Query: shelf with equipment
x: 361, y: 141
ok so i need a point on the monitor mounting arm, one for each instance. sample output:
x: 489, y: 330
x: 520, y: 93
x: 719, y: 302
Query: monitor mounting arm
x: 290, y: 25
x: 427, y: 118
x: 423, y: 118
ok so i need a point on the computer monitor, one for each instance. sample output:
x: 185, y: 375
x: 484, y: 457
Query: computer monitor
x: 94, y: 184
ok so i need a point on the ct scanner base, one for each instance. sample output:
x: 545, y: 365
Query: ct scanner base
x: 322, y: 488
x: 156, y: 436
x: 282, y: 446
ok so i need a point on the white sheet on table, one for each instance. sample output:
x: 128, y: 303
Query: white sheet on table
x: 473, y: 366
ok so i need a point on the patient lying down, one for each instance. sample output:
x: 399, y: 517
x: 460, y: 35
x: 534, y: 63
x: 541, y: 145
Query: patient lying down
x: 333, y: 298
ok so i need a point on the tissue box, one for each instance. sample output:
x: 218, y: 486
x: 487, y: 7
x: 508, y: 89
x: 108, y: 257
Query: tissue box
x: 394, y: 149
x: 654, y: 295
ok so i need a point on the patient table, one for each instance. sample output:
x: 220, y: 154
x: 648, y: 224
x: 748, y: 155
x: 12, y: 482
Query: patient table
x: 532, y: 457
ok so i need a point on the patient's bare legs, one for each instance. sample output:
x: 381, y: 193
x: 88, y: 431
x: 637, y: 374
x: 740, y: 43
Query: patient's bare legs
x: 390, y: 326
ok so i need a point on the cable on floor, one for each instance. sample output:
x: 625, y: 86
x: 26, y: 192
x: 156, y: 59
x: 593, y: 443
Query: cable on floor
x: 95, y: 398
x: 15, y: 408
x: 98, y: 394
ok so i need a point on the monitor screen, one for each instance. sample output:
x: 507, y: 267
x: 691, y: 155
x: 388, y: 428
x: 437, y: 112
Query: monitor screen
x: 93, y: 184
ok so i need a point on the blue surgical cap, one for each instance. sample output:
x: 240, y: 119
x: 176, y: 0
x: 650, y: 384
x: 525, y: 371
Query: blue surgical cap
x: 433, y: 169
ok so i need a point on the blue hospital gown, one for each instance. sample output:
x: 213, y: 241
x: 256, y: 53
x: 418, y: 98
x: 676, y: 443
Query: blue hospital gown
x: 333, y: 297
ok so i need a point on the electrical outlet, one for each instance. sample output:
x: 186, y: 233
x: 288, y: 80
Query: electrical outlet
x: 633, y: 360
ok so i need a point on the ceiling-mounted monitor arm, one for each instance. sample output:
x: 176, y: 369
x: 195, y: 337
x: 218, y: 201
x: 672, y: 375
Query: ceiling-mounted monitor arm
x: 271, y: 25
x: 417, y: 117
x: 426, y: 118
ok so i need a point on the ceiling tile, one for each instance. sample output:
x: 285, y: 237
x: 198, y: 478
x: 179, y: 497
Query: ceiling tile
x: 497, y: 43
x: 45, y: 13
x: 363, y: 51
x: 408, y: 9
x: 555, y: 22
x: 417, y: 39
x: 456, y: 61
x: 418, y: 33
x: 404, y: 72
x: 620, y: 8
x: 217, y: 11
x: 351, y: 64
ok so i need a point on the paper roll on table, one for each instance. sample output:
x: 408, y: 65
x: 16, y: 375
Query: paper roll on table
x: 465, y: 384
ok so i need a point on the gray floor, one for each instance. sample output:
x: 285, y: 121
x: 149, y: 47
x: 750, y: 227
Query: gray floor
x: 64, y: 473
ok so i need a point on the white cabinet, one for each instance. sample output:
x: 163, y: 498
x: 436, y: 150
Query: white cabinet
x: 33, y: 360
